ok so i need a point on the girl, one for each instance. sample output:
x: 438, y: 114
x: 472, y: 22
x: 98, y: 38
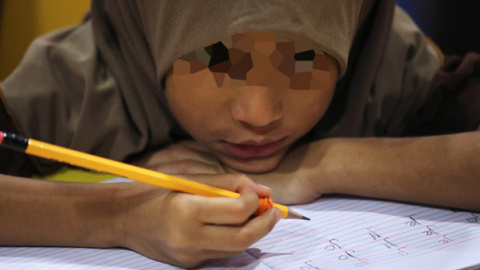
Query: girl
x: 300, y: 96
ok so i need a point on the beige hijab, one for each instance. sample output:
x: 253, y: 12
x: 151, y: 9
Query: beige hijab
x: 98, y: 87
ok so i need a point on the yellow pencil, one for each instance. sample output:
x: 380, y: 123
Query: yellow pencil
x: 100, y: 164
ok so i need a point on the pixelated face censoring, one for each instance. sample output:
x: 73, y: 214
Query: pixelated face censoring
x: 284, y: 62
x: 249, y: 98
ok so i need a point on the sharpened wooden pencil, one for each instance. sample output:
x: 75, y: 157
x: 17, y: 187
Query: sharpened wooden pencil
x: 104, y: 165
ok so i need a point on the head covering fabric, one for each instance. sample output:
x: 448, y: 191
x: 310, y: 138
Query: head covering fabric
x: 390, y: 69
x: 175, y: 28
x: 98, y: 87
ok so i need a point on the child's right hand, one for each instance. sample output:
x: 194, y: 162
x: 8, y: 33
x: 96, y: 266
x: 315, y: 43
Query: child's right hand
x: 186, y: 230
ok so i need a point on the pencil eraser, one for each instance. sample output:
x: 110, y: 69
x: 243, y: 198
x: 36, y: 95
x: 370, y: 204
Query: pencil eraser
x: 2, y: 135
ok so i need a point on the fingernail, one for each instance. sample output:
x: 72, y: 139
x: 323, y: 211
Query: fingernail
x: 278, y: 214
x: 263, y: 186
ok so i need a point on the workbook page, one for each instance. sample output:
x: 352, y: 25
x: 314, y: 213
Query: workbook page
x: 349, y: 233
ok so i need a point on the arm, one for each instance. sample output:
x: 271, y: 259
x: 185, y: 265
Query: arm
x: 437, y: 170
x: 172, y: 227
x: 434, y: 170
x: 440, y: 170
x: 38, y: 212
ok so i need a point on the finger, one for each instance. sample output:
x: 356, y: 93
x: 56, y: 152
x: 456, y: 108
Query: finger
x: 188, y: 167
x: 194, y: 145
x: 220, y: 210
x: 177, y: 153
x: 239, y: 238
x: 233, y: 182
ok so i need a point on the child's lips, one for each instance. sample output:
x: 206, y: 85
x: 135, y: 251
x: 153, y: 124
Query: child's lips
x: 252, y: 149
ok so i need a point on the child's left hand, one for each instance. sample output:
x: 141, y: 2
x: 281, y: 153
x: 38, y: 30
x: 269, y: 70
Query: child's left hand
x: 185, y: 157
x: 289, y: 181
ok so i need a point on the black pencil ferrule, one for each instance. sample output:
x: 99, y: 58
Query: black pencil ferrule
x: 14, y: 142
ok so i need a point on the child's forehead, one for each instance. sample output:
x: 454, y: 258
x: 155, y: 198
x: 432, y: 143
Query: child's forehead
x: 265, y: 44
x: 261, y: 40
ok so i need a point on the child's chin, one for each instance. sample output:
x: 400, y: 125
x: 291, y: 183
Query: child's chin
x: 254, y: 165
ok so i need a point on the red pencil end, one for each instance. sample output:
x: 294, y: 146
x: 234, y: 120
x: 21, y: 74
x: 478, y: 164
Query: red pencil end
x: 2, y: 135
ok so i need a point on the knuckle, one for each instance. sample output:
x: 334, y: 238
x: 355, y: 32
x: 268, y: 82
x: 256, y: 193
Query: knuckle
x: 183, y: 167
x: 176, y: 151
x: 214, y: 162
x: 240, y: 210
x: 189, y: 207
x: 239, y: 178
x: 219, y: 169
x: 193, y: 167
x: 245, y: 179
x: 186, y: 209
x: 245, y: 239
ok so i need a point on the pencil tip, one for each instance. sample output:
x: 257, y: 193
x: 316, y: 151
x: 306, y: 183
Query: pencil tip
x: 295, y: 215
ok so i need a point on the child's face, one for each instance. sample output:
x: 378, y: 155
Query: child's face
x: 250, y: 98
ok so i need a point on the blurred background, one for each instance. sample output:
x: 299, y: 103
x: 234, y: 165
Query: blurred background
x: 453, y: 24
x: 21, y: 21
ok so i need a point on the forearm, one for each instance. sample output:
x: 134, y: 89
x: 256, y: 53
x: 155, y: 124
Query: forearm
x: 36, y: 212
x: 440, y: 170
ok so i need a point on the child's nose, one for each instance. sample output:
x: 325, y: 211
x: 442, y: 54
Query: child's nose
x: 257, y: 106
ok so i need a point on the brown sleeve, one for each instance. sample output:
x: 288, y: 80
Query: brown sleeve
x: 453, y: 103
x: 11, y: 162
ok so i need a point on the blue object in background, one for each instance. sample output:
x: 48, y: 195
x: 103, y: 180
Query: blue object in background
x: 453, y: 24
